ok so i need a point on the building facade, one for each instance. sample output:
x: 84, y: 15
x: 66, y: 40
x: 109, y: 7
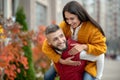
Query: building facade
x: 113, y: 26
x: 112, y: 20
x: 38, y: 12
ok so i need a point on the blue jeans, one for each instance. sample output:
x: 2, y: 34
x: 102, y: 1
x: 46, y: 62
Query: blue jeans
x: 50, y: 74
x: 87, y: 76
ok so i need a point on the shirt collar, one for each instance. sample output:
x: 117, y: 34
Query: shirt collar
x: 59, y: 52
x: 74, y: 36
x: 77, y: 29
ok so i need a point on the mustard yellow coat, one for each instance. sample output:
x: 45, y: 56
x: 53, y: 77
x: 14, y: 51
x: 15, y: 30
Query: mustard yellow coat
x: 88, y: 34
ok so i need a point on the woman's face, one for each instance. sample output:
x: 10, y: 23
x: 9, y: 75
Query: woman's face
x: 72, y: 19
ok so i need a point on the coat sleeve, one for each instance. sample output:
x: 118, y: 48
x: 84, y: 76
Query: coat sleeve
x: 49, y: 52
x: 97, y: 43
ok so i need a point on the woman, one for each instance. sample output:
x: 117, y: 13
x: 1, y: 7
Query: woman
x: 79, y: 26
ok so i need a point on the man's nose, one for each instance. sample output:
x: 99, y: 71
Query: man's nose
x: 60, y: 40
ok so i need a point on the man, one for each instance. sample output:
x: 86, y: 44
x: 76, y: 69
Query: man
x: 59, y: 44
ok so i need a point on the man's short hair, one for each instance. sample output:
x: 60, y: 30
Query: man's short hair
x: 51, y: 28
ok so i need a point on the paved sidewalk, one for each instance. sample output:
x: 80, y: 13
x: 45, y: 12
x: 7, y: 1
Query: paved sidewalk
x: 111, y: 70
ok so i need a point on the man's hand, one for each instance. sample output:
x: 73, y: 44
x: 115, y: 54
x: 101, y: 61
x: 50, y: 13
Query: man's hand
x: 68, y: 61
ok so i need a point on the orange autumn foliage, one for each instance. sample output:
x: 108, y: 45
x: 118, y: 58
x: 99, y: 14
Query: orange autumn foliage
x: 11, y: 53
x: 11, y: 56
x: 40, y: 59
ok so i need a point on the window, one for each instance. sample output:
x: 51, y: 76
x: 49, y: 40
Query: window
x: 41, y: 13
x: 2, y: 7
x: 14, y: 4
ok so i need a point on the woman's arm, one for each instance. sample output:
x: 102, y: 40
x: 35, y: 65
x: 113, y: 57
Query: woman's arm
x: 97, y: 43
x: 52, y: 55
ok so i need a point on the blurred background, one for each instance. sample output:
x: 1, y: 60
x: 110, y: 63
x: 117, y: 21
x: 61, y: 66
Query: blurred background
x: 41, y: 13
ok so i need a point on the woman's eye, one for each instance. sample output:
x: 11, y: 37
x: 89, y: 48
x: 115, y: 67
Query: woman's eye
x: 71, y: 18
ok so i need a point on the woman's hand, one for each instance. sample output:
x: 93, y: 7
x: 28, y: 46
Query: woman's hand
x: 77, y: 48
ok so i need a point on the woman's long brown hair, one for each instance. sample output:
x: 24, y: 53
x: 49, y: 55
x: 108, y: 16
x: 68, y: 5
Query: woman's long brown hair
x: 75, y: 8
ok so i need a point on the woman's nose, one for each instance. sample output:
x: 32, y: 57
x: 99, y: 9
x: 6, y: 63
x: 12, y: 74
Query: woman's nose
x: 69, y: 22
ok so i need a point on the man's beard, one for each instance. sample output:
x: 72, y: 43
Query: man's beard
x: 61, y: 50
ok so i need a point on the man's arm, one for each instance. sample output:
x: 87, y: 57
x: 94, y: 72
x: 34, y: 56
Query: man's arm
x: 68, y: 61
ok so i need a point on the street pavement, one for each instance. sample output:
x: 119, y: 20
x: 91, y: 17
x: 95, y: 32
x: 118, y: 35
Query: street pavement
x: 111, y: 70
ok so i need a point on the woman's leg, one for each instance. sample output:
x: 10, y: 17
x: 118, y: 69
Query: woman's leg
x: 99, y: 62
x: 87, y: 76
x: 100, y: 66
x: 50, y: 74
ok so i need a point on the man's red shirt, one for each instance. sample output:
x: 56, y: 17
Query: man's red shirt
x: 67, y: 72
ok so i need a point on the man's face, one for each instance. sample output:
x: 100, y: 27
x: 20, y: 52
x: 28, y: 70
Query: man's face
x: 57, y: 40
